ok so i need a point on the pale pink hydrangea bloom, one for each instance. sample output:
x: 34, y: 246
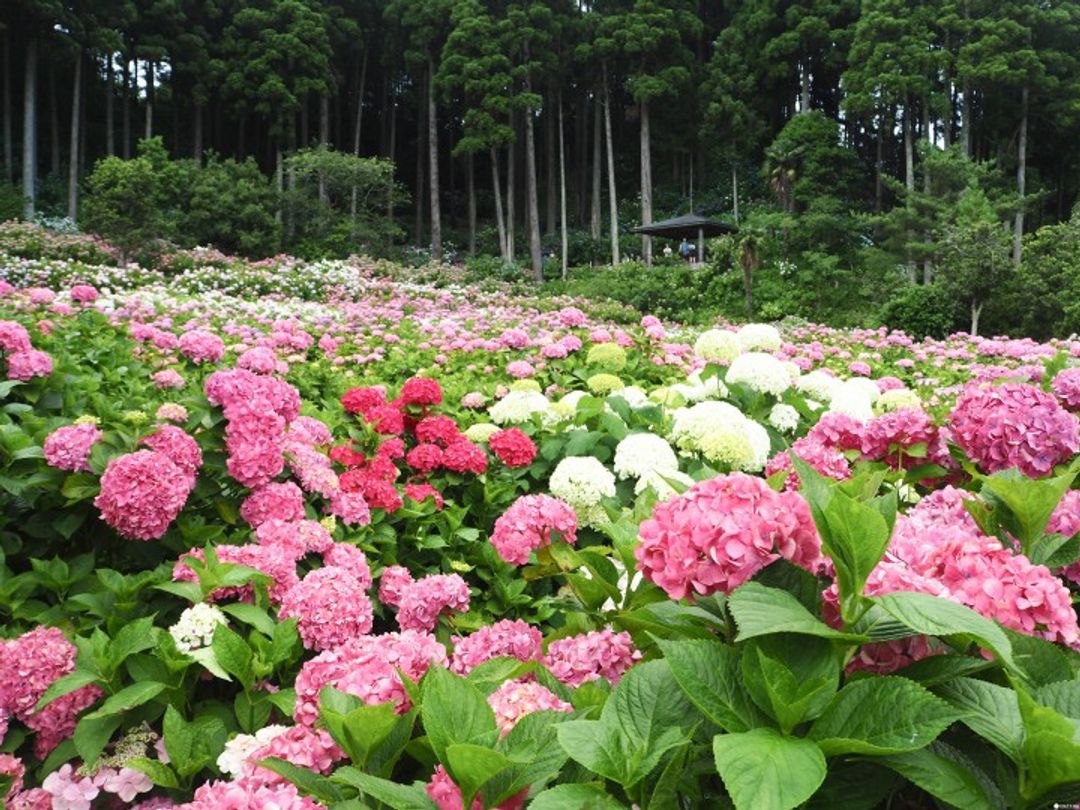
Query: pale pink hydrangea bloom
x: 331, y: 608
x: 297, y: 537
x: 423, y: 601
x: 248, y: 794
x: 68, y: 447
x: 590, y: 656
x: 393, y: 581
x: 312, y: 749
x: 68, y: 791
x: 352, y: 559
x: 515, y: 699
x: 529, y: 523
x: 26, y: 365
x: 167, y: 378
x: 351, y: 507
x: 514, y: 639
x: 201, y: 346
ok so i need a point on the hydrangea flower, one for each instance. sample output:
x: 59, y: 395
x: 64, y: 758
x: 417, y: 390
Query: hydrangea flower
x: 510, y: 638
x: 528, y: 524
x: 582, y: 482
x: 68, y: 447
x: 331, y: 607
x: 640, y: 454
x: 717, y: 346
x: 142, y: 493
x: 195, y: 627
x: 589, y: 656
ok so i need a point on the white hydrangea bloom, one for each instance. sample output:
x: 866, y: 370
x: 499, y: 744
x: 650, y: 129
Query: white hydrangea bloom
x: 239, y: 749
x: 717, y: 346
x: 761, y: 372
x: 817, y: 385
x: 699, y: 389
x: 759, y: 337
x: 635, y: 397
x: 784, y: 417
x: 583, y: 482
x: 897, y: 399
x: 761, y: 445
x: 722, y: 434
x: 518, y: 407
x: 195, y: 627
x: 851, y: 400
x: 481, y: 432
x: 867, y: 386
x: 641, y: 453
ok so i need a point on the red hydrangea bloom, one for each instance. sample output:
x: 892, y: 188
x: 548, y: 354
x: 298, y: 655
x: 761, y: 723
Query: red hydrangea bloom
x: 1014, y: 425
x: 363, y: 401
x: 528, y: 524
x: 421, y: 391
x: 421, y: 492
x: 273, y: 502
x: 423, y: 601
x: 721, y: 532
x: 512, y: 447
x: 391, y: 449
x: 590, y: 656
x: 346, y: 456
x: 28, y: 364
x: 464, y: 456
x: 387, y: 419
x: 393, y: 581
x: 515, y: 699
x: 439, y: 429
x: 68, y: 447
x: 177, y: 446
x: 142, y: 493
x: 378, y: 493
x: 514, y: 639
x: 331, y: 608
x: 367, y: 666
x: 352, y: 559
x: 201, y: 346
x: 425, y: 457
x: 383, y: 468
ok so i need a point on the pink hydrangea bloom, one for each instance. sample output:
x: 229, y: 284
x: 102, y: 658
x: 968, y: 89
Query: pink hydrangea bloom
x: 26, y: 365
x: 367, y: 667
x: 298, y: 537
x: 351, y: 507
x: 839, y: 431
x: 1066, y: 521
x: 514, y: 639
x: 167, y: 378
x: 13, y: 337
x: 261, y: 360
x: 441, y: 430
x: 515, y: 699
x: 125, y: 783
x: 520, y: 369
x: 13, y: 767
x: 352, y: 559
x: 826, y: 460
x: 421, y: 391
x: 310, y: 431
x: 447, y: 795
x: 278, y: 562
x: 83, y: 294
x: 423, y: 601
x: 589, y: 656
x: 331, y: 607
x: 1066, y: 387
x: 142, y: 493
x: 425, y: 457
x: 35, y: 799
x: 201, y: 346
x: 176, y: 445
x: 393, y: 581
x: 249, y: 794
x: 721, y: 532
x: 305, y: 747
x: 894, y: 436
x: 68, y: 447
x: 1014, y: 425
x: 68, y: 791
x: 273, y: 501
x: 421, y: 492
x: 528, y: 525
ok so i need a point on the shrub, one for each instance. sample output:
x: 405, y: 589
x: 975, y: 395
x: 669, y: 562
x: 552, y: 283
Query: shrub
x: 922, y: 311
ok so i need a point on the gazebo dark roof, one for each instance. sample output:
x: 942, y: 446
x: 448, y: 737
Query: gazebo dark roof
x: 687, y: 226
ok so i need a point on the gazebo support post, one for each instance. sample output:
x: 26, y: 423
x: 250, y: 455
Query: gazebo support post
x: 701, y: 245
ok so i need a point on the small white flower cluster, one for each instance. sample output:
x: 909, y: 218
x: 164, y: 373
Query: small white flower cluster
x: 481, y: 432
x: 583, y: 482
x: 518, y: 407
x: 723, y: 435
x: 817, y: 385
x: 897, y: 399
x: 240, y: 748
x: 195, y: 627
x: 759, y: 337
x: 642, y: 453
x: 853, y: 398
x: 784, y: 418
x: 717, y: 346
x: 760, y: 372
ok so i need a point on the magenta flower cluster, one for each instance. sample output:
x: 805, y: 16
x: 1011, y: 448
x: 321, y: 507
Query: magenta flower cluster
x: 529, y: 523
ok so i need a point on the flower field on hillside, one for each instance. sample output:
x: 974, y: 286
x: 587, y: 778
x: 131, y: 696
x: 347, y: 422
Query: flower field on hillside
x: 286, y: 536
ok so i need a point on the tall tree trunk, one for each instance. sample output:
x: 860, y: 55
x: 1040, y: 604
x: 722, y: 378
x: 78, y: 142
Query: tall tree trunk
x: 360, y: 85
x: 54, y: 125
x: 909, y: 172
x: 421, y: 133
x: 29, y: 153
x: 735, y: 190
x: 580, y: 185
x: 433, y: 161
x: 197, y: 136
x: 324, y: 141
x: 110, y: 92
x: 646, y: 183
x: 597, y: 156
x: 391, y: 152
x: 470, y: 192
x: 532, y: 204
x: 928, y: 265
x: 279, y: 184
x: 9, y: 150
x: 879, y: 164
x: 613, y: 203
x: 149, y: 98
x: 500, y: 223
x: 73, y: 159
x: 125, y: 113
x: 510, y: 190
x: 1021, y: 180
x: 976, y: 311
x: 804, y: 86
x: 305, y: 133
x: 551, y: 190
x: 965, y: 122
x: 562, y: 192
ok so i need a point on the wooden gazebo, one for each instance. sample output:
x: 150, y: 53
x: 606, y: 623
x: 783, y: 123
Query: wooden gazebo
x: 688, y: 226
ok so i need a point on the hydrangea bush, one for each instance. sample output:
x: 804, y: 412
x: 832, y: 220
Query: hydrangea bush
x: 366, y: 542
